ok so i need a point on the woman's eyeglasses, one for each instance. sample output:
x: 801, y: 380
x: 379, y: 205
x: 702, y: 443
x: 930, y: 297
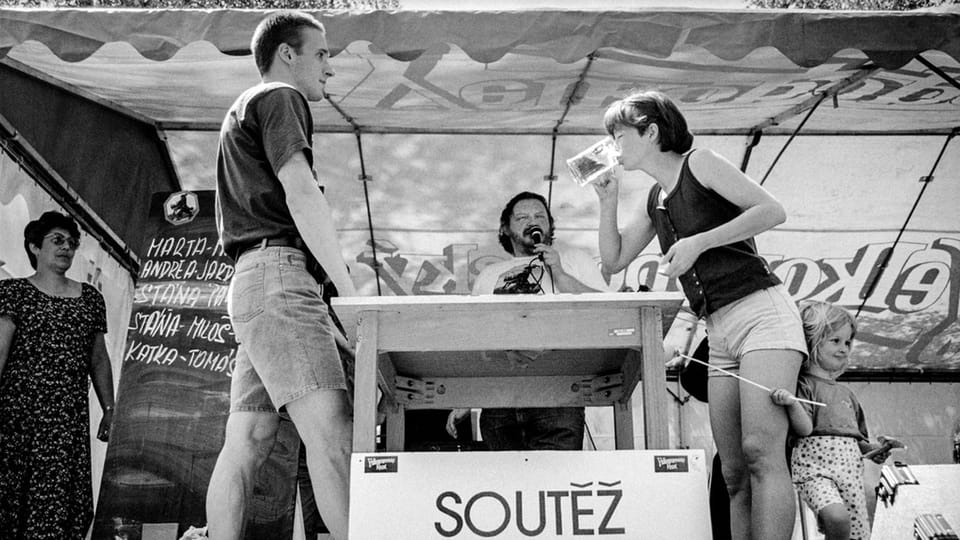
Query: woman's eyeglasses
x: 59, y: 239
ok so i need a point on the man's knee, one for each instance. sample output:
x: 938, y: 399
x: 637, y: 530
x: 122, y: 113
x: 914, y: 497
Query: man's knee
x: 324, y: 414
x: 251, y: 436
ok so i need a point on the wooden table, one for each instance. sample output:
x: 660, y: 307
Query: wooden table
x: 509, y: 351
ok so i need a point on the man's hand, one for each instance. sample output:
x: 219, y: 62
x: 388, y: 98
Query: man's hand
x: 455, y: 417
x: 550, y: 257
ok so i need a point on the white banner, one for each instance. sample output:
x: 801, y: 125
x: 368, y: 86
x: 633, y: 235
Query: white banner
x: 622, y: 494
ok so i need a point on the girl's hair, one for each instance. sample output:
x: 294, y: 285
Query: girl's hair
x: 641, y: 109
x: 821, y: 319
x: 37, y: 229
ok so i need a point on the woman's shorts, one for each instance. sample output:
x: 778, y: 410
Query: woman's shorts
x: 767, y: 319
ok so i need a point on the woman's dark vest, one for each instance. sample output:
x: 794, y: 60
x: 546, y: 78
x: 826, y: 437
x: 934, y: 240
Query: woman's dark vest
x: 721, y: 275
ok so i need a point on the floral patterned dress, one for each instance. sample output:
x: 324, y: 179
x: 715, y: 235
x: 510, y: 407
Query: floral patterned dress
x: 45, y: 490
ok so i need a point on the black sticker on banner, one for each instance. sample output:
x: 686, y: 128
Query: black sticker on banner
x: 380, y: 464
x: 670, y: 464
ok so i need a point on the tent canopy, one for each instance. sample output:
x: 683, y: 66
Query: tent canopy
x: 516, y: 71
x: 115, y: 83
x: 95, y: 102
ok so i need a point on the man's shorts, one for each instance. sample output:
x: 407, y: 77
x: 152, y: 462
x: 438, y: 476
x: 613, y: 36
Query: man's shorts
x: 767, y: 319
x: 286, y: 347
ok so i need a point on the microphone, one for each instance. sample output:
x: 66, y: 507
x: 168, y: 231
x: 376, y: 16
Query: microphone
x: 537, y: 236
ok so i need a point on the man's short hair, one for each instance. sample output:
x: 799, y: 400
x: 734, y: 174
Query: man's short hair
x: 281, y: 27
x: 507, y: 213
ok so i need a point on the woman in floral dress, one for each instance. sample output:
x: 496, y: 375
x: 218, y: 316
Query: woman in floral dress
x: 51, y: 343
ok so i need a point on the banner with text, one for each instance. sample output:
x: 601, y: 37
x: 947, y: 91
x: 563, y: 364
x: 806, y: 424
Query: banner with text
x: 623, y: 494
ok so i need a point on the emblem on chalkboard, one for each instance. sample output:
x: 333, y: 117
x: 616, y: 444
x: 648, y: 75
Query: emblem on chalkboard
x: 181, y: 207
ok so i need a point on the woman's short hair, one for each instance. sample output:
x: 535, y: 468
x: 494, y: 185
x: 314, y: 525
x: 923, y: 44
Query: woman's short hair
x: 34, y: 232
x: 820, y: 319
x: 641, y: 109
x: 503, y: 235
x: 282, y: 27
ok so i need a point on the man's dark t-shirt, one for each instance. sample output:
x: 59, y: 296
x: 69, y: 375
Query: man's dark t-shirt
x: 264, y: 128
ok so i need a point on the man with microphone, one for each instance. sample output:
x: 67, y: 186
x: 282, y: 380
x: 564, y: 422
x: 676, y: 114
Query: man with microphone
x: 537, y: 266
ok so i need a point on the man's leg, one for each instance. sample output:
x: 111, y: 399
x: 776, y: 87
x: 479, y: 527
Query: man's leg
x: 559, y: 428
x: 500, y: 429
x: 324, y: 422
x: 249, y: 439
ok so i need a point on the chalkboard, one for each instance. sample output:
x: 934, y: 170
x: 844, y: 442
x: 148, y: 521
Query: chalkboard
x: 174, y: 392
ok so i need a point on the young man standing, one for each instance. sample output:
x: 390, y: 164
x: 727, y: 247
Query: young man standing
x: 276, y: 224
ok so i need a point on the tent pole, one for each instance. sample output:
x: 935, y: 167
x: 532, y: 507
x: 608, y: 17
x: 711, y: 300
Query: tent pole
x: 365, y: 179
x: 885, y: 260
x: 574, y: 97
x: 551, y: 178
x: 943, y: 75
x: 754, y: 141
x: 792, y: 136
x: 366, y: 199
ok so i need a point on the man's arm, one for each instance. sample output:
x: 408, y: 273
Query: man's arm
x: 571, y: 273
x: 566, y: 283
x: 314, y: 221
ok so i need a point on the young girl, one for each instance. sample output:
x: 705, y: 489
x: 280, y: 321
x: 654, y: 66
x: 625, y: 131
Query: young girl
x: 826, y: 463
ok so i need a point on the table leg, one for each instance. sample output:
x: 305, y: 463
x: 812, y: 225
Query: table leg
x: 623, y: 424
x: 396, y: 429
x: 365, y: 385
x: 654, y: 380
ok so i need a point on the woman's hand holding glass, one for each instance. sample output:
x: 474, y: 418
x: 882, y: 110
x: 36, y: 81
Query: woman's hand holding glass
x: 608, y: 185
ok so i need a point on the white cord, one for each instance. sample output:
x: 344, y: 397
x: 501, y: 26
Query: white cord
x: 748, y: 381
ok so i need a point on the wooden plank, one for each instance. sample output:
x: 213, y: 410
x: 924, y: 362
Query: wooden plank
x: 440, y: 307
x: 530, y: 328
x: 396, y: 429
x: 386, y: 375
x: 441, y: 364
x: 365, y: 384
x: 632, y: 365
x: 654, y: 379
x: 623, y: 424
x: 503, y: 302
x: 518, y: 391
